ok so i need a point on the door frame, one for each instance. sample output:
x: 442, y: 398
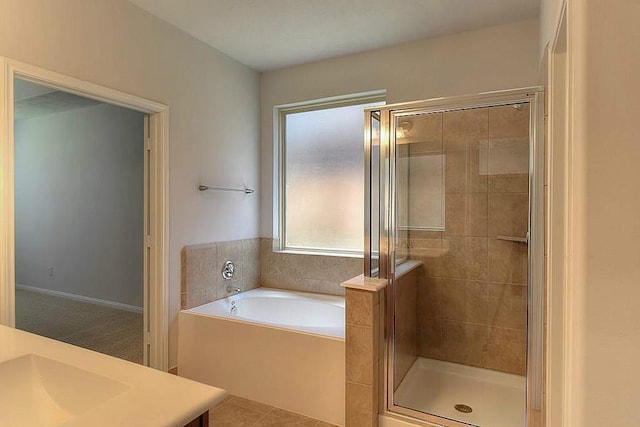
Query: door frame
x: 156, y: 295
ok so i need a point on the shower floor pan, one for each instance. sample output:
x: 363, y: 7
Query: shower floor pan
x: 435, y: 387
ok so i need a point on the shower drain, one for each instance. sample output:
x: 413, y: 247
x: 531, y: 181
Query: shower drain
x: 463, y: 408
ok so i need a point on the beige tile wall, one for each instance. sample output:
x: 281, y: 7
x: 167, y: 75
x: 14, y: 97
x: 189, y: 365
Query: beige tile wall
x: 308, y: 273
x: 471, y: 294
x: 201, y: 270
x: 406, y: 331
x: 363, y: 356
x: 257, y: 265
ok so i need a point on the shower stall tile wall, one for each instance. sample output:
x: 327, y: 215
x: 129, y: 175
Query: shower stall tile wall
x: 406, y: 333
x: 471, y: 292
x: 201, y: 267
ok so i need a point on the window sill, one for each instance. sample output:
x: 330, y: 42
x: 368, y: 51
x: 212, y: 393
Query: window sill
x: 320, y: 253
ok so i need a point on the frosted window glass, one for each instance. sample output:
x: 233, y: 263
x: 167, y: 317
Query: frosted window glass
x: 324, y: 205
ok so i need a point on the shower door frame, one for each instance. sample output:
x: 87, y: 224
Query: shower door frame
x: 387, y: 232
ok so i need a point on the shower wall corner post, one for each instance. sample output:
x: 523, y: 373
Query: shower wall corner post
x: 364, y: 313
x: 156, y: 221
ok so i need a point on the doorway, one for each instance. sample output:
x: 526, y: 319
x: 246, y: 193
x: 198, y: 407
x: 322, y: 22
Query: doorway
x: 79, y: 220
x: 155, y: 188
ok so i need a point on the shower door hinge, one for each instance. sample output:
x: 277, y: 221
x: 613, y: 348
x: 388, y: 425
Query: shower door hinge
x: 147, y: 241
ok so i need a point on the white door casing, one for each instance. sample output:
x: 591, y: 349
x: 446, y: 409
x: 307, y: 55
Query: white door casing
x: 156, y: 297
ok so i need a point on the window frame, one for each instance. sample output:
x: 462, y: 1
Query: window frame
x: 279, y: 165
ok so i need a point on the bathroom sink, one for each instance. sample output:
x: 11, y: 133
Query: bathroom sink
x: 38, y: 391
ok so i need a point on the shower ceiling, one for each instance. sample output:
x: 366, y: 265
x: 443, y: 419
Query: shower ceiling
x: 270, y: 34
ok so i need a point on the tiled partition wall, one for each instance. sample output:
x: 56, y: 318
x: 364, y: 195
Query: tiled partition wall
x: 308, y: 273
x: 471, y: 297
x: 201, y: 270
x: 406, y: 332
x: 364, y: 351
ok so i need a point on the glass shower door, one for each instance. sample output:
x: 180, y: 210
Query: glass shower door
x: 462, y: 220
x: 454, y: 247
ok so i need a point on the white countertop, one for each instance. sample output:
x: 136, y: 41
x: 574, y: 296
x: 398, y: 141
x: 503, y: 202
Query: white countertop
x: 149, y: 397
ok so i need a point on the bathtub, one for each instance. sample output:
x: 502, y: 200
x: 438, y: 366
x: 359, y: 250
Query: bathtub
x: 282, y: 348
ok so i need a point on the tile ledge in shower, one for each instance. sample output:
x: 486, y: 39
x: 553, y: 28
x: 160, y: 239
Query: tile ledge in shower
x: 363, y: 283
x: 406, y: 267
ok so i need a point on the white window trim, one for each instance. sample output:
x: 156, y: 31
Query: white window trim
x: 279, y: 178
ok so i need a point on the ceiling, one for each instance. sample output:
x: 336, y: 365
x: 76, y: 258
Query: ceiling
x: 271, y: 34
x: 34, y: 100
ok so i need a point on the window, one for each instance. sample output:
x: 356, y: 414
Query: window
x: 320, y: 164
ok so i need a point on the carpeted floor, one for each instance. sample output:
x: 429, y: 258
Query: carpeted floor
x: 104, y: 329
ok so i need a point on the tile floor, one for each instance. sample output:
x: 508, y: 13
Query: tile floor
x: 107, y: 330
x: 239, y: 412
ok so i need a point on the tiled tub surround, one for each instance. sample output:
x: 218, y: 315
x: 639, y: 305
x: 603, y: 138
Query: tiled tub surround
x: 307, y: 273
x: 201, y: 267
x: 258, y: 265
x: 288, y: 360
x: 471, y: 292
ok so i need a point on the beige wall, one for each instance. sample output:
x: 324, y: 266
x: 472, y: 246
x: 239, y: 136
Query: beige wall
x: 602, y: 263
x: 92, y: 159
x: 605, y: 268
x: 502, y: 57
x: 213, y: 104
x: 550, y: 11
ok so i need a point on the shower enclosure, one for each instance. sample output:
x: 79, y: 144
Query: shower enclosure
x: 454, y: 226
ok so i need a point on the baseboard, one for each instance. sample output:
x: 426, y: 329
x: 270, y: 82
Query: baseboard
x: 103, y: 302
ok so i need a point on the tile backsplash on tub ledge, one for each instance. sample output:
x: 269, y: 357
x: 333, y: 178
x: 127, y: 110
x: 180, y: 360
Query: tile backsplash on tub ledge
x: 307, y: 273
x: 201, y: 267
x: 257, y: 265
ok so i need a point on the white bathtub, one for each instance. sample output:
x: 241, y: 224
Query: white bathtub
x: 300, y: 311
x: 282, y: 348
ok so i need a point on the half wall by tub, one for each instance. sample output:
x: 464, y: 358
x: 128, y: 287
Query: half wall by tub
x: 282, y: 348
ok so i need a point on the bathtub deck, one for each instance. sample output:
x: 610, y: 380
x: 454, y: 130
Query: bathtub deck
x: 435, y: 387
